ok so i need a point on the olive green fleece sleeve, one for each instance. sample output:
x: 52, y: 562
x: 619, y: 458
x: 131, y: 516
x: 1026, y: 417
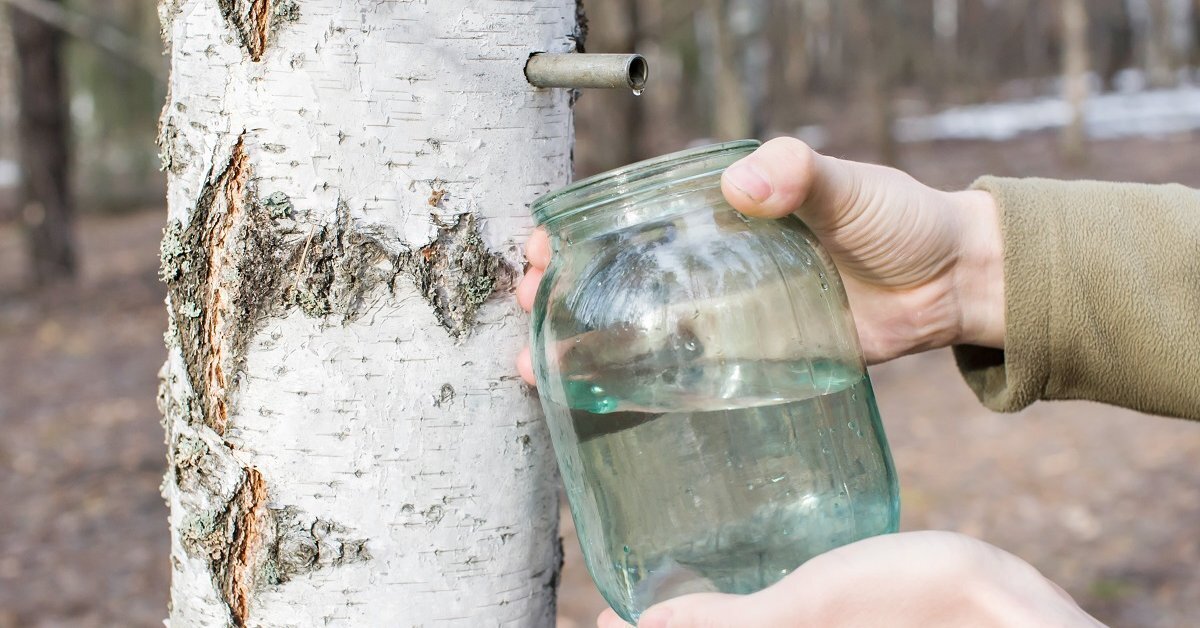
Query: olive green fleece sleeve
x: 1102, y: 297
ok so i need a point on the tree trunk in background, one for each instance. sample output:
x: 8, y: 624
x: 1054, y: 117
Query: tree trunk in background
x: 884, y: 52
x: 731, y: 111
x: 945, y: 30
x: 1075, y: 77
x: 788, y: 67
x: 1159, y: 45
x: 613, y: 135
x: 44, y: 195
x: 1117, y: 44
x: 632, y: 113
x: 348, y: 186
x: 8, y: 121
x: 1195, y: 32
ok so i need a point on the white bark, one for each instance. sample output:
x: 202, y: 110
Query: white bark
x: 348, y: 181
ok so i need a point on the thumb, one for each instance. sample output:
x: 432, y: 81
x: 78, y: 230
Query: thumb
x: 772, y: 181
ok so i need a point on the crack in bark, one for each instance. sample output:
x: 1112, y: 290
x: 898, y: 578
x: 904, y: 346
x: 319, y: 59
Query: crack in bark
x: 256, y: 21
x: 217, y: 297
x: 248, y: 545
x: 241, y: 260
x: 223, y: 276
x: 245, y: 551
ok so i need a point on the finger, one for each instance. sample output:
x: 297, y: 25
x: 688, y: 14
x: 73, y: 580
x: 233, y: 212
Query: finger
x: 525, y: 367
x: 772, y: 181
x: 527, y: 289
x: 610, y: 619
x: 537, y: 249
x: 714, y: 610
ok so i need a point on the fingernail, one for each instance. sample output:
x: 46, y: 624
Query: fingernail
x: 750, y: 180
x: 656, y: 618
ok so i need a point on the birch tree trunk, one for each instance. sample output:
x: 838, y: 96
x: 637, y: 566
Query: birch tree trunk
x: 348, y: 181
x: 731, y: 110
x: 1158, y: 45
x: 945, y: 30
x: 1075, y: 78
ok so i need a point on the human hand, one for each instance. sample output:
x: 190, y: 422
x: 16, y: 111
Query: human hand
x: 922, y: 268
x: 917, y: 579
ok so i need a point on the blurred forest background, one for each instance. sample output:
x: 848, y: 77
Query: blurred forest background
x: 1103, y: 501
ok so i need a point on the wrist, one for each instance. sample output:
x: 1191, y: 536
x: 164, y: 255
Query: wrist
x: 979, y: 271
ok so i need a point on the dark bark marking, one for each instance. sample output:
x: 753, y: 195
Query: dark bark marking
x: 457, y: 273
x: 249, y: 546
x: 436, y: 196
x: 240, y: 261
x: 167, y: 10
x: 445, y: 396
x: 223, y: 273
x: 303, y: 544
x: 554, y: 577
x: 245, y: 551
x: 257, y: 21
x: 581, y: 27
x: 337, y: 267
x: 174, y: 152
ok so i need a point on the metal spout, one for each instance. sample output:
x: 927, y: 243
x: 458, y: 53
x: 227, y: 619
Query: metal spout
x: 583, y: 70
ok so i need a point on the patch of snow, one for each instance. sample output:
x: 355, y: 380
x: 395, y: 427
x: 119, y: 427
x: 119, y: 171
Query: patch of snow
x: 1125, y: 113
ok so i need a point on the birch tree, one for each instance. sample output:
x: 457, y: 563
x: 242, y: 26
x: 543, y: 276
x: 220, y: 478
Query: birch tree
x: 731, y: 110
x: 1075, y: 78
x: 348, y: 182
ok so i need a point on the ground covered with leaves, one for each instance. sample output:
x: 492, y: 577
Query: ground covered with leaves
x: 1103, y: 501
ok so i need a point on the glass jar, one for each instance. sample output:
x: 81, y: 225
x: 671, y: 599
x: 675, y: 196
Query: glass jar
x: 704, y: 386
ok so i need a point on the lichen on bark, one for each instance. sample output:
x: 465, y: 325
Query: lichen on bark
x: 247, y: 543
x: 457, y: 273
x: 223, y: 273
x: 242, y: 258
x: 338, y: 265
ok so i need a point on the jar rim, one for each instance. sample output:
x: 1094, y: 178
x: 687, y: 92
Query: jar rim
x: 641, y: 176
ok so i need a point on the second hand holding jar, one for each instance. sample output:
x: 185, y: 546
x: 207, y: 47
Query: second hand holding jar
x: 703, y: 384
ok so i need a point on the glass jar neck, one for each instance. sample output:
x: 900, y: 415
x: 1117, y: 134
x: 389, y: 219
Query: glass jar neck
x: 639, y: 193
